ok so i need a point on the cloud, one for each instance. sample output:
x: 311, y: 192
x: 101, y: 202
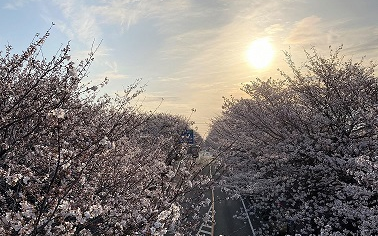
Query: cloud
x: 163, y: 102
x: 321, y: 33
x: 169, y: 79
x: 126, y: 13
x: 15, y: 4
x: 315, y: 31
x: 361, y: 42
x: 154, y: 98
x: 187, y: 44
x: 305, y: 31
x: 79, y: 21
x: 274, y: 29
x: 110, y: 70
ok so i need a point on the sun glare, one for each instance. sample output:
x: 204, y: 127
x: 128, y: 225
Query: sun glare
x: 260, y: 53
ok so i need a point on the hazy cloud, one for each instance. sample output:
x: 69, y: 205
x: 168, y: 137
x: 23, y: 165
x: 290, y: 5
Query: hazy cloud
x: 128, y: 12
x: 305, y: 31
x: 274, y: 29
x: 15, y: 4
x: 79, y: 23
x: 169, y: 79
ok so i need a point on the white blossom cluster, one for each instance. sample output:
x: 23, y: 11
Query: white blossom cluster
x: 76, y: 163
x: 303, y: 149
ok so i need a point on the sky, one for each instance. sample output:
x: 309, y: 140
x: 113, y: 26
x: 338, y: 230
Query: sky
x: 190, y: 53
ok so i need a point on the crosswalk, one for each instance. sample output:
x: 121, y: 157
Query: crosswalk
x: 206, y: 226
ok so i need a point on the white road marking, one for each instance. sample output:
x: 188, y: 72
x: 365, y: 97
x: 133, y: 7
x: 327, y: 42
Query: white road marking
x: 202, y: 231
x: 249, y: 220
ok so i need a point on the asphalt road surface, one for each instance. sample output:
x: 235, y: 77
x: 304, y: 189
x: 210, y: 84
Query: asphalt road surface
x: 226, y: 224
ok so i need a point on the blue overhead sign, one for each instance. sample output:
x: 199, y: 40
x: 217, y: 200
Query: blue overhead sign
x: 188, y: 136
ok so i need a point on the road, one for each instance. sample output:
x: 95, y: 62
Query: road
x: 226, y: 224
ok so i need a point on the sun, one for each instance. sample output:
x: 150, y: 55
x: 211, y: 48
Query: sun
x: 260, y: 53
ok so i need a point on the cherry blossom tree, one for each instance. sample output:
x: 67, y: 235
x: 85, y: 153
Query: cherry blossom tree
x: 172, y: 129
x: 304, y: 147
x: 74, y: 162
